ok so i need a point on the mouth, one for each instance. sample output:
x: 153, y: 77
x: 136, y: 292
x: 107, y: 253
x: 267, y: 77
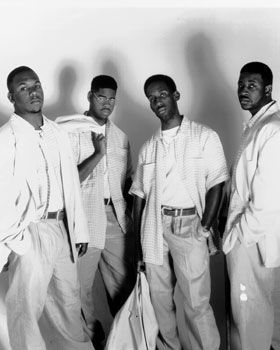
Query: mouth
x: 161, y: 110
x: 244, y: 99
x: 106, y: 109
x: 36, y: 100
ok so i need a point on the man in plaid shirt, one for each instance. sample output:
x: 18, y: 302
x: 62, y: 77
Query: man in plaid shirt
x: 102, y: 153
x: 177, y: 188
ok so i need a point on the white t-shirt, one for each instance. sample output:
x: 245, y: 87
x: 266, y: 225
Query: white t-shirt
x: 175, y: 194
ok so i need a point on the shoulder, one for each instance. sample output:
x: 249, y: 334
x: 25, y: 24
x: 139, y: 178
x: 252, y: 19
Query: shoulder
x: 6, y: 132
x: 201, y: 133
x: 269, y: 126
x: 117, y: 134
x: 117, y: 130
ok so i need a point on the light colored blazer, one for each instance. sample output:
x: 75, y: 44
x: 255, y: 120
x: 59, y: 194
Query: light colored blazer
x: 254, y: 212
x: 18, y: 188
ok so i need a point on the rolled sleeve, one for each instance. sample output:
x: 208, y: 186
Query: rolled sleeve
x: 137, y: 187
x: 216, y: 166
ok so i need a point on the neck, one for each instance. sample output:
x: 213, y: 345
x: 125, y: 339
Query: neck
x: 98, y: 120
x: 265, y: 102
x: 176, y: 120
x: 36, y: 119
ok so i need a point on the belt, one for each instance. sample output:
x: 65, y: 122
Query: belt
x: 58, y: 215
x: 177, y: 211
x: 108, y: 201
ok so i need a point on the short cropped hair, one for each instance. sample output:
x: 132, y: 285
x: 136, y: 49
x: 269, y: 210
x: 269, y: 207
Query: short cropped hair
x: 259, y: 68
x: 160, y: 77
x: 15, y: 72
x: 103, y: 82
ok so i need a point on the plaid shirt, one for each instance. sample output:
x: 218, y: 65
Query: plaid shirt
x: 119, y: 170
x: 201, y: 164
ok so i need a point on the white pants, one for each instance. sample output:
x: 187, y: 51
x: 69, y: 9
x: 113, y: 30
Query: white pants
x: 115, y: 266
x: 44, y: 282
x: 251, y: 286
x: 186, y: 262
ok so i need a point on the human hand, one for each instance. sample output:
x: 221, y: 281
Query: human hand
x: 81, y: 249
x: 99, y: 143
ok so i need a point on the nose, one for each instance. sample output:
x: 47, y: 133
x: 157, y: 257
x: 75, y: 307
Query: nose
x: 243, y: 91
x: 32, y: 90
x: 158, y: 101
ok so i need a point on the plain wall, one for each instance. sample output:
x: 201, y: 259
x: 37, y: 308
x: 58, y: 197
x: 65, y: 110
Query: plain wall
x: 203, y: 49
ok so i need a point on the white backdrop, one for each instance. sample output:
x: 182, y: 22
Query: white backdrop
x: 202, y: 48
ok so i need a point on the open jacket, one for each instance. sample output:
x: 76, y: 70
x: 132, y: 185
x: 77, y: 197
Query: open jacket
x: 18, y: 188
x: 254, y: 211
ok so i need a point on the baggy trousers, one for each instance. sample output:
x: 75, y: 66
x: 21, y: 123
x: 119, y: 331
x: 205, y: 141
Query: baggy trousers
x: 44, y: 282
x: 186, y: 262
x: 115, y: 263
x: 251, y: 286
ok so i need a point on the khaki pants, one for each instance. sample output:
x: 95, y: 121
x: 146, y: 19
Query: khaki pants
x: 115, y: 263
x: 251, y: 298
x: 186, y: 262
x: 44, y: 282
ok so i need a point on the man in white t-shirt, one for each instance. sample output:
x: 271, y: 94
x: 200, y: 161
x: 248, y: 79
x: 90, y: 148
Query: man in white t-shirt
x: 177, y: 189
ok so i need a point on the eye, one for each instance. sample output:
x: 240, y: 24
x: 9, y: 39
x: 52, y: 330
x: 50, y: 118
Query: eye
x: 23, y: 88
x: 112, y: 100
x: 164, y: 94
x: 251, y: 86
x: 152, y: 99
x: 101, y: 98
x: 38, y: 86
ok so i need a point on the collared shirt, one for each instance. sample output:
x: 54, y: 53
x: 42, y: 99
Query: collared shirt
x: 201, y: 165
x: 254, y: 210
x: 119, y: 167
x: 50, y: 193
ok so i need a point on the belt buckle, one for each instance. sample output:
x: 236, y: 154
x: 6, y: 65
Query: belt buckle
x: 57, y: 214
x: 178, y: 211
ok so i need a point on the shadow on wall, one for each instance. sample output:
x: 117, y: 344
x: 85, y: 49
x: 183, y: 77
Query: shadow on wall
x: 64, y: 102
x: 213, y: 100
x: 132, y: 116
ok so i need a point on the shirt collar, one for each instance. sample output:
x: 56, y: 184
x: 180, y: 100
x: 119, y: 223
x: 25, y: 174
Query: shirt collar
x: 270, y: 107
x: 25, y: 127
x: 182, y: 127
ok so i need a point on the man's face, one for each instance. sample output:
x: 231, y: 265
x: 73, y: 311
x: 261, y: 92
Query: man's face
x: 26, y: 93
x: 252, y: 92
x: 102, y: 103
x: 162, y: 101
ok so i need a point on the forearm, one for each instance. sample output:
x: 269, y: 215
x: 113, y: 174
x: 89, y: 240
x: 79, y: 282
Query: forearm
x: 212, y: 203
x: 87, y: 166
x: 138, y: 206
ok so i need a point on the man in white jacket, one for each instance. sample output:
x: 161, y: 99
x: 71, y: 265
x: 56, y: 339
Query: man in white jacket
x: 252, y: 236
x: 42, y: 223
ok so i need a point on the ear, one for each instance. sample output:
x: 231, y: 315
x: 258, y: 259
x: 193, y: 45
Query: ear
x: 10, y: 97
x: 89, y: 96
x: 268, y: 90
x: 176, y: 95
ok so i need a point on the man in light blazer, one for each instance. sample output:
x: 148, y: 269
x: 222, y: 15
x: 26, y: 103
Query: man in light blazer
x: 42, y: 223
x: 252, y: 235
